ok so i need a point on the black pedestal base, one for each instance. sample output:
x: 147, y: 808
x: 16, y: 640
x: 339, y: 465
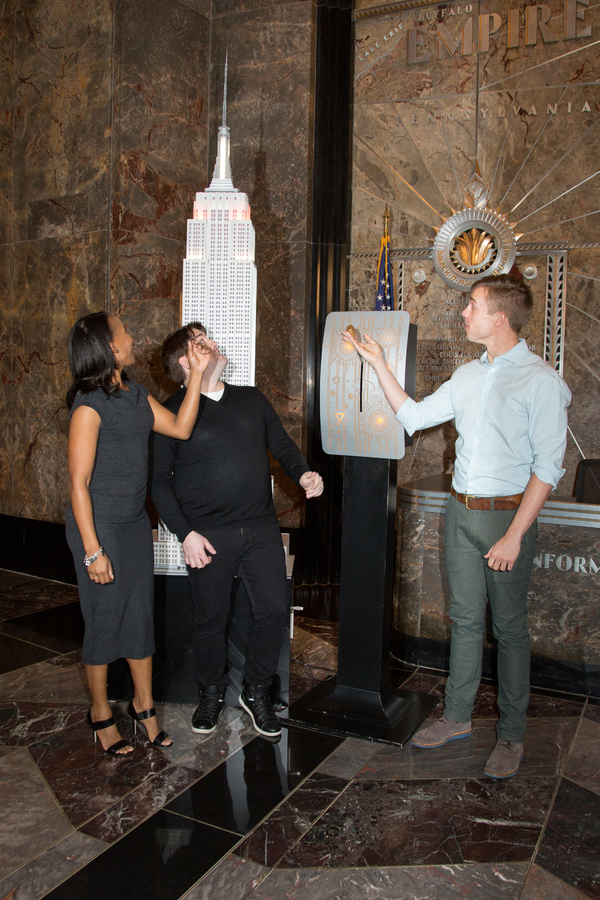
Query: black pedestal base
x: 312, y: 711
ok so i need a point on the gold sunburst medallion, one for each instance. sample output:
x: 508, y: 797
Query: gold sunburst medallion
x: 475, y: 242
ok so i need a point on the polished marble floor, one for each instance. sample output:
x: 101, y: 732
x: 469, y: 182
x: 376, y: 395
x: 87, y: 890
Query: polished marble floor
x: 235, y: 816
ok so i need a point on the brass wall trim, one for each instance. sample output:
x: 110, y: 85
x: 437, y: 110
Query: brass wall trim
x: 384, y: 10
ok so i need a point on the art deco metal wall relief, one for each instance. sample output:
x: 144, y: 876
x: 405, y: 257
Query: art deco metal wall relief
x: 479, y: 128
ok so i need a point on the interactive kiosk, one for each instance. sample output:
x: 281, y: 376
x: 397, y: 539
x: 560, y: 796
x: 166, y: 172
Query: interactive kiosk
x: 358, y: 423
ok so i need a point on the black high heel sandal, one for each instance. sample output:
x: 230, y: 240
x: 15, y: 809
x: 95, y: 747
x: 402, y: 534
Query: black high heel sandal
x: 100, y: 726
x: 147, y: 714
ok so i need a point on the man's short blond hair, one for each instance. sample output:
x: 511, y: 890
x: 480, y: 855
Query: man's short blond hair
x: 510, y: 295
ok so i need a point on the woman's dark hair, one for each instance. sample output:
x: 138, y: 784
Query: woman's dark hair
x: 91, y: 357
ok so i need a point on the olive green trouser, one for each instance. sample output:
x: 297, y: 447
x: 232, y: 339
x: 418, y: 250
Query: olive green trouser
x: 469, y: 536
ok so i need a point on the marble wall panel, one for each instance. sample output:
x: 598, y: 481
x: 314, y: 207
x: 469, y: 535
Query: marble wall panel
x: 62, y: 124
x: 581, y: 371
x: 146, y: 291
x: 6, y: 380
x: 269, y: 112
x: 564, y: 592
x: 159, y: 162
x: 55, y: 282
x: 282, y: 283
x: 401, y: 153
x: 160, y: 109
x: 269, y: 98
x: 7, y: 51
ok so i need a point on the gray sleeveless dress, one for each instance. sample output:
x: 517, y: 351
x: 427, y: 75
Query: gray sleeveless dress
x: 119, y: 616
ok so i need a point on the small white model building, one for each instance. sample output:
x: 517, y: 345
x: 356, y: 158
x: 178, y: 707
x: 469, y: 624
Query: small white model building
x: 219, y: 290
x: 168, y: 553
x: 219, y: 273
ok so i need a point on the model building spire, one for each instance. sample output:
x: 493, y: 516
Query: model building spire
x: 221, y: 180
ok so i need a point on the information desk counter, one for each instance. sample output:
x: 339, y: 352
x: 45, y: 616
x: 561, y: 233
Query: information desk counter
x: 564, y: 597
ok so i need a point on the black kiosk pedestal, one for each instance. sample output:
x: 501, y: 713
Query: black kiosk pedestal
x: 357, y: 423
x: 359, y: 702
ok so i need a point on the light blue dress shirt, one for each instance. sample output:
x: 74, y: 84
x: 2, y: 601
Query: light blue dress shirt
x: 511, y: 418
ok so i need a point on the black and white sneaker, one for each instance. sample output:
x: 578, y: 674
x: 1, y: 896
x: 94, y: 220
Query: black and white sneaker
x: 212, y: 701
x: 257, y: 703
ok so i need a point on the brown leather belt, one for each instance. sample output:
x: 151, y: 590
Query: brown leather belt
x: 483, y: 503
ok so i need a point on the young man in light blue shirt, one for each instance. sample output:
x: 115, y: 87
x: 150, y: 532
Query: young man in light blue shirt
x: 510, y: 411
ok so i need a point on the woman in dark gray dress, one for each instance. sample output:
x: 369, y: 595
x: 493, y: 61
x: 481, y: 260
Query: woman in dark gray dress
x: 108, y: 530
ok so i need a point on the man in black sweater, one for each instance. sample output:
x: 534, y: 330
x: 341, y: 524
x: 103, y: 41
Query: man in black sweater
x: 214, y: 492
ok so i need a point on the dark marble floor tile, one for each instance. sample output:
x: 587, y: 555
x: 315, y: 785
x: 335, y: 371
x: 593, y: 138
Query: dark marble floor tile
x: 9, y: 579
x: 140, y: 804
x: 233, y: 878
x: 592, y: 713
x: 16, y: 654
x: 583, y: 766
x: 25, y: 723
x: 161, y: 859
x: 21, y: 598
x: 238, y: 794
x: 541, y: 885
x: 282, y: 829
x: 486, y: 706
x: 349, y: 758
x: 67, y: 660
x: 303, y: 679
x: 60, y: 628
x: 31, y: 819
x: 452, y: 882
x: 328, y: 631
x: 313, y: 651
x: 540, y: 705
x: 201, y: 754
x: 61, y: 679
x: 49, y: 868
x: 84, y: 779
x: 570, y: 848
x: 441, y: 822
x: 545, y: 705
x: 422, y: 682
x: 547, y: 744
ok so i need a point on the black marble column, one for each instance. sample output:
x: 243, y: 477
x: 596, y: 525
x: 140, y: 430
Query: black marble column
x: 318, y: 560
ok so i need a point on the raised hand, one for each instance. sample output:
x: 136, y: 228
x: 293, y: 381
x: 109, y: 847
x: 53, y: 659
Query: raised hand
x: 367, y: 348
x: 198, y: 354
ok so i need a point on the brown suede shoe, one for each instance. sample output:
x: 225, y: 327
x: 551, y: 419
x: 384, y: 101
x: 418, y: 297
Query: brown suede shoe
x: 441, y: 732
x: 505, y: 759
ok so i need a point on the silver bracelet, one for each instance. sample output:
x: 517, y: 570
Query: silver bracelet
x: 88, y: 560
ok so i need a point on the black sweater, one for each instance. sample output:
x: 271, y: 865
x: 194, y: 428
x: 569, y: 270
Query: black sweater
x: 221, y: 475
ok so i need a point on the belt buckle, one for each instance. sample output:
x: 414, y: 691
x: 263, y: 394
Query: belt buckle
x: 467, y: 498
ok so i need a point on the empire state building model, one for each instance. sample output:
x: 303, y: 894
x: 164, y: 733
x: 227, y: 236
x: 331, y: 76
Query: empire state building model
x: 219, y: 274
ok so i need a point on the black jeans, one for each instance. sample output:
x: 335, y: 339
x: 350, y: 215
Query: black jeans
x: 254, y: 553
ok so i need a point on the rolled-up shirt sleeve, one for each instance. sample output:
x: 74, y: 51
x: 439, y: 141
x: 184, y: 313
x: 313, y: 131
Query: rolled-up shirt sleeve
x: 548, y: 428
x: 433, y: 410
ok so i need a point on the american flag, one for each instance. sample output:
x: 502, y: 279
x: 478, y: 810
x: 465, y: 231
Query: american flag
x: 385, y: 278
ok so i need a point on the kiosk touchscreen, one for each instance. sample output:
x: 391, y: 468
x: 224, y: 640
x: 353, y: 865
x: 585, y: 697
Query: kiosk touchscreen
x: 356, y: 419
